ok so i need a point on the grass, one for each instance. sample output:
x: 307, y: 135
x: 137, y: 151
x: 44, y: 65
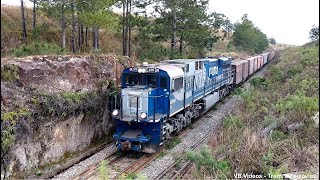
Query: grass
x: 172, y: 143
x: 288, y: 94
x: 103, y: 170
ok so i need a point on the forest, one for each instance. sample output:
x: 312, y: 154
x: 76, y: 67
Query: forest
x: 149, y: 30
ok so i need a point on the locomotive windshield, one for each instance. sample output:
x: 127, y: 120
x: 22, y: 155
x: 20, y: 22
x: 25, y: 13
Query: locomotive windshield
x: 140, y: 79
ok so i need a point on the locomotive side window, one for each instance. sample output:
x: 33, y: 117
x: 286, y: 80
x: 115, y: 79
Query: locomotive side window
x: 163, y: 83
x: 198, y: 65
x: 187, y: 68
x: 178, y: 84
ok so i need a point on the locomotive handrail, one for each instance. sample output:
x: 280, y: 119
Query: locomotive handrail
x: 137, y: 109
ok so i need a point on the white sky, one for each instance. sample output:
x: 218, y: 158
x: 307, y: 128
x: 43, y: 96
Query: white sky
x: 288, y: 21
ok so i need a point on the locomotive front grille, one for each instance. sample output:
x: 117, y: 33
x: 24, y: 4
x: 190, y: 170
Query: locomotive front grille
x: 133, y: 102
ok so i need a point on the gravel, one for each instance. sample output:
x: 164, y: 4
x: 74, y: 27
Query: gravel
x: 84, y: 165
x: 208, y: 124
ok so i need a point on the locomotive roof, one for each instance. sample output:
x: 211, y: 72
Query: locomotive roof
x: 172, y: 70
x: 180, y: 61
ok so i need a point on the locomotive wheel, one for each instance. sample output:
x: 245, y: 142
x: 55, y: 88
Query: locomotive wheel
x: 180, y: 121
x: 167, y: 135
x: 188, y: 117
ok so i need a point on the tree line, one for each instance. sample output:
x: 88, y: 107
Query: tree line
x: 157, y: 28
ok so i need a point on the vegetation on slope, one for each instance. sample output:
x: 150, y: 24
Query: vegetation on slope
x: 140, y: 35
x: 274, y: 131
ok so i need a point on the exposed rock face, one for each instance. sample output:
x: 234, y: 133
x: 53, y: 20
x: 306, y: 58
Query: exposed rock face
x: 68, y: 73
x: 41, y: 138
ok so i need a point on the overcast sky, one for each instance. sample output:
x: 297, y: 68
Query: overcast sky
x: 288, y: 21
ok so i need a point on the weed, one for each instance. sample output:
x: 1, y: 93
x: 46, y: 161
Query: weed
x: 177, y: 161
x: 13, y: 116
x: 162, y: 153
x: 138, y: 176
x: 233, y: 121
x: 103, y: 170
x: 268, y: 120
x: 173, y: 142
x: 299, y: 105
x: 267, y: 158
x: 39, y: 173
x: 258, y: 82
x: 277, y: 73
x: 294, y: 71
x: 237, y: 91
x: 277, y: 135
x: 9, y: 72
x: 204, y: 159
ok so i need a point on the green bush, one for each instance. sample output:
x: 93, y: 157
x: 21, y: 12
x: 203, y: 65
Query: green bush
x: 203, y: 159
x: 37, y: 49
x: 258, y: 82
x: 232, y: 121
x: 310, y: 56
x: 299, y: 103
x: 294, y: 71
x: 277, y: 135
x: 9, y: 72
x: 277, y: 74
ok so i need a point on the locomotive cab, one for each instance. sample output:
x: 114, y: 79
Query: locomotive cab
x: 144, y: 108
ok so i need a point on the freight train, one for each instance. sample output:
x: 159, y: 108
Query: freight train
x: 160, y: 99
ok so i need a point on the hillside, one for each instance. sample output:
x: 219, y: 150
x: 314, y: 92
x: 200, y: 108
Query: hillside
x: 47, y: 39
x: 48, y: 31
x: 276, y: 129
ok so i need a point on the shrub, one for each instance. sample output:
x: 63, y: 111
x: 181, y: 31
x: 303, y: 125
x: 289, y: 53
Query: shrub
x: 258, y: 82
x: 310, y: 56
x: 276, y: 74
x: 204, y: 160
x: 278, y: 135
x: 232, y: 121
x: 299, y: 104
x: 9, y: 73
x: 37, y: 49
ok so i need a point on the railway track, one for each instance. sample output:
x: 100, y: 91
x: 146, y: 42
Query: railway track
x: 177, y: 170
x: 120, y: 165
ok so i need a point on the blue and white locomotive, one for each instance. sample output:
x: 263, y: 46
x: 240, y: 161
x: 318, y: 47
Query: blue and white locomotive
x: 159, y: 99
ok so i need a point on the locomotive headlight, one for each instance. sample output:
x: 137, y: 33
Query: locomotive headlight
x: 143, y: 115
x: 115, y: 112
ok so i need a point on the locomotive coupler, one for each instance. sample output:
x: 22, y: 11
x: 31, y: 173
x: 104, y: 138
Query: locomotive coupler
x: 125, y: 146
